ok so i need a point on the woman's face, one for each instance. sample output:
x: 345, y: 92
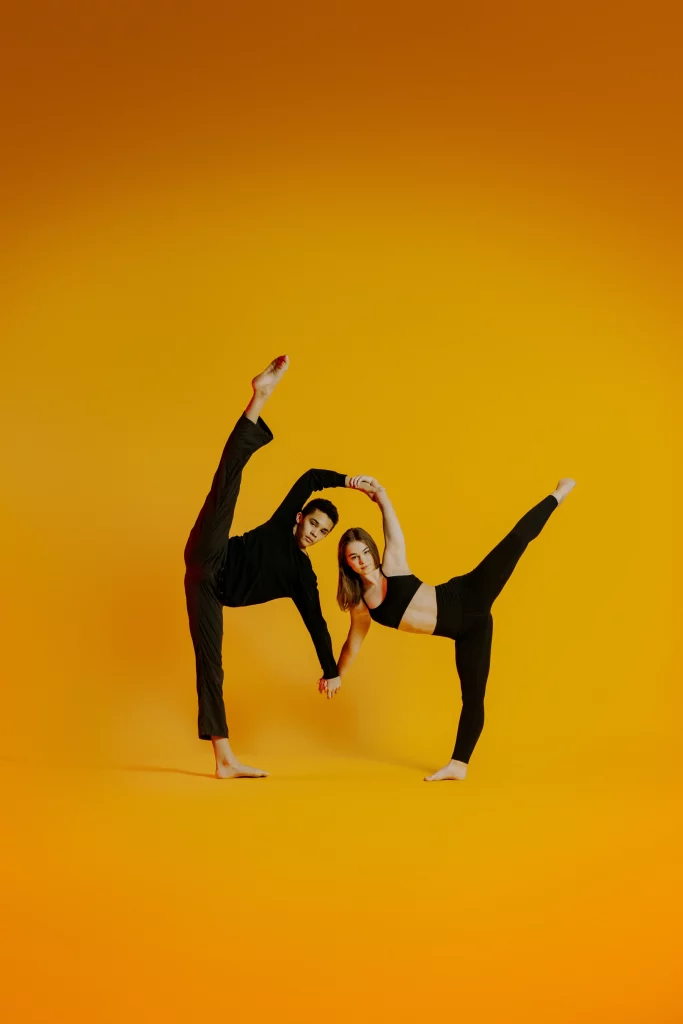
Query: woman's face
x: 359, y: 557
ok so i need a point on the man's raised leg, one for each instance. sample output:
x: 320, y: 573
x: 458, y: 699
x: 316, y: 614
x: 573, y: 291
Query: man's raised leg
x: 204, y: 557
x: 263, y: 385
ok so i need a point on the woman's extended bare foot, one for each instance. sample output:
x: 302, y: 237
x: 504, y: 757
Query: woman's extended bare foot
x: 564, y: 486
x: 227, y: 765
x: 455, y: 771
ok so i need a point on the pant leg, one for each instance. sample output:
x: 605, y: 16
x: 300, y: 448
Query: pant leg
x: 472, y: 660
x: 205, y: 614
x: 209, y: 537
x: 481, y: 587
x: 204, y: 554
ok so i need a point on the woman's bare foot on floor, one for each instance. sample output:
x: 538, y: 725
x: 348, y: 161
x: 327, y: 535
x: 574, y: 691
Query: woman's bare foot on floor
x: 565, y: 485
x: 455, y: 771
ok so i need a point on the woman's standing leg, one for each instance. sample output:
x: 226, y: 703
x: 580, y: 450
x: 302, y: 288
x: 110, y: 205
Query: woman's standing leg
x: 472, y: 660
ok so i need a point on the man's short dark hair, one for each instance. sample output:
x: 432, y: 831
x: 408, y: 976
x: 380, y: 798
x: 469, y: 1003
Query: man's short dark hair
x: 321, y: 505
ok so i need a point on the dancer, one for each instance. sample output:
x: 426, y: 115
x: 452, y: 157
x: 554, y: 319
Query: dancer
x: 263, y: 564
x: 389, y: 593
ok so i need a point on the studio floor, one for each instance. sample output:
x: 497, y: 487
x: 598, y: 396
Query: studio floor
x: 339, y: 889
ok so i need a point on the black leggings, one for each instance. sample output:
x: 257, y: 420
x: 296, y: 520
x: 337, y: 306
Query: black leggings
x: 204, y: 555
x: 464, y: 614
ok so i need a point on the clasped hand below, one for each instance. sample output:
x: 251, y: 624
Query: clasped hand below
x: 329, y: 686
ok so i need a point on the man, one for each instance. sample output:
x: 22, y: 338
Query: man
x: 263, y: 564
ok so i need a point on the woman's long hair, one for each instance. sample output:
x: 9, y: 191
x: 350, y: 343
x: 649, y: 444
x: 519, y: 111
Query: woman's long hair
x: 350, y: 588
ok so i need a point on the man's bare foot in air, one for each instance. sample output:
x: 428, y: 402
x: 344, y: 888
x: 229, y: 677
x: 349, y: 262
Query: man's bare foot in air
x: 455, y: 771
x: 263, y: 385
x: 565, y: 485
x: 227, y: 765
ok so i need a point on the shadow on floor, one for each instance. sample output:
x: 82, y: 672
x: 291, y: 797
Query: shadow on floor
x: 406, y: 763
x: 157, y: 769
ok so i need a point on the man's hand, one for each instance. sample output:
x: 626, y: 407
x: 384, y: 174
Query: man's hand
x: 329, y: 686
x: 365, y: 483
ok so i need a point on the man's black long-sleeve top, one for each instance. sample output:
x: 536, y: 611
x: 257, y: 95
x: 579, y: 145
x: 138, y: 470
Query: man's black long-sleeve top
x: 267, y: 563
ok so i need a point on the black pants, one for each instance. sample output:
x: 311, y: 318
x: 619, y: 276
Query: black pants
x: 464, y: 614
x: 204, y: 556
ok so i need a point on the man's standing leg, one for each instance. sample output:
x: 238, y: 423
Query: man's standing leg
x: 204, y: 554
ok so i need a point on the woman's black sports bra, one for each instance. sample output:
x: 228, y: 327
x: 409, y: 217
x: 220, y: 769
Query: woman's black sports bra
x: 400, y: 592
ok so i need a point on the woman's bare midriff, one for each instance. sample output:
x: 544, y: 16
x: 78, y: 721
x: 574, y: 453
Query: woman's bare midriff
x: 420, y: 615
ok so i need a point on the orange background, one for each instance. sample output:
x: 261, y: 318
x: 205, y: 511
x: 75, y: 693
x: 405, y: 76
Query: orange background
x: 464, y: 228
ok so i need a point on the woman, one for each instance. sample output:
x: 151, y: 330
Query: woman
x: 389, y: 593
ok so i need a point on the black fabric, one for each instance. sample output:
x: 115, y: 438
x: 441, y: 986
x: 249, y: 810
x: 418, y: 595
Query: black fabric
x: 399, y: 593
x: 262, y: 565
x: 464, y: 614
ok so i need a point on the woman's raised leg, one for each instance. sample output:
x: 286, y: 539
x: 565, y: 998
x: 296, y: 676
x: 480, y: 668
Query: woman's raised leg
x: 481, y: 587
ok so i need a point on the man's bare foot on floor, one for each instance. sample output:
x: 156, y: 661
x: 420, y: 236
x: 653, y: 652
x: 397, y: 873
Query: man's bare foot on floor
x: 239, y: 771
x: 455, y: 771
x: 227, y: 765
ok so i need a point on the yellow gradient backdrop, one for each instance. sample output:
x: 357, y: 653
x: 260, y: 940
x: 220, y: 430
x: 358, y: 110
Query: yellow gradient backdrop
x: 464, y: 229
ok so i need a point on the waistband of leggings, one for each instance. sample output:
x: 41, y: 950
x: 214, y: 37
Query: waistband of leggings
x: 448, y: 608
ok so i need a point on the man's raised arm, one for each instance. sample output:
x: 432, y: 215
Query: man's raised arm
x: 310, y: 481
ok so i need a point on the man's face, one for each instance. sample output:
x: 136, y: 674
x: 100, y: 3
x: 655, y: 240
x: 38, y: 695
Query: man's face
x: 312, y: 528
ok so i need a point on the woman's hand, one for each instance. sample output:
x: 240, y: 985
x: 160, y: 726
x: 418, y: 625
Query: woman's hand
x: 376, y: 495
x: 329, y: 686
x: 368, y: 484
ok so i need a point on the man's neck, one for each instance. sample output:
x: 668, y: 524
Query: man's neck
x: 296, y: 541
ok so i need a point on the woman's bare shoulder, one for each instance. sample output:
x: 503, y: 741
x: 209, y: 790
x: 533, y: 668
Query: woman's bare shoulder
x: 395, y: 566
x: 359, y: 611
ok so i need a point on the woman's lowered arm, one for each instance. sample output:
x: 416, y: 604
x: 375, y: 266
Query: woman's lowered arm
x: 360, y: 624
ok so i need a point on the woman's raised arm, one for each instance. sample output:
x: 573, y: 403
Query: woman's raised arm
x: 395, y: 561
